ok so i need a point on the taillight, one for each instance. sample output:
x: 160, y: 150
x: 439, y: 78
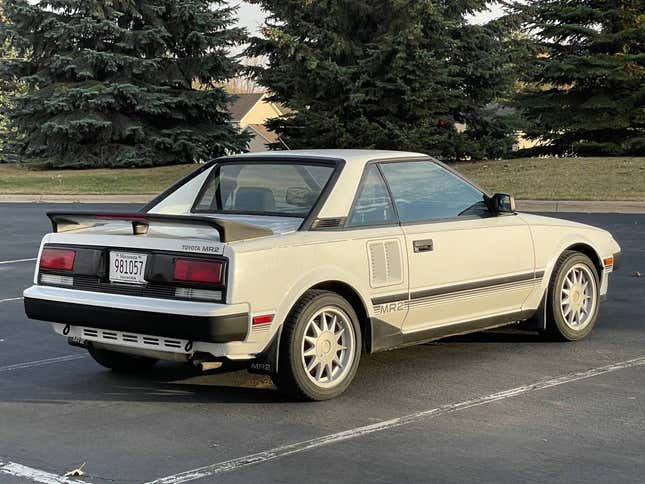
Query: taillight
x: 57, y: 259
x: 209, y: 272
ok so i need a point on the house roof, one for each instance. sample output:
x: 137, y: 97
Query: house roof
x: 243, y: 103
x: 261, y: 130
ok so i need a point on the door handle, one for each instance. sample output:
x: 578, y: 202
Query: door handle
x: 423, y: 245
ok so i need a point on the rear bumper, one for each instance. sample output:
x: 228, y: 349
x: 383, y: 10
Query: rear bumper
x: 208, y: 325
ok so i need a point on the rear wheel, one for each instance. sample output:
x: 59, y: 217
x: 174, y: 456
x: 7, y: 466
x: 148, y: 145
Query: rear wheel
x: 573, y: 297
x: 320, y: 347
x: 121, y: 362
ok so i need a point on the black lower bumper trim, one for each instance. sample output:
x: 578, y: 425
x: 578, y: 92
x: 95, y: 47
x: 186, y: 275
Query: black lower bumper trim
x: 212, y: 329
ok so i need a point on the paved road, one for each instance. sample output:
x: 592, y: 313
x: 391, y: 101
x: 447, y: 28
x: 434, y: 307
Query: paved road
x: 61, y: 410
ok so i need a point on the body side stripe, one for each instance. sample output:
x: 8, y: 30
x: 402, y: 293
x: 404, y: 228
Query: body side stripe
x: 457, y: 288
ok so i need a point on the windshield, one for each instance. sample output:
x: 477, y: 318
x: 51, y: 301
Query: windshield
x: 264, y: 188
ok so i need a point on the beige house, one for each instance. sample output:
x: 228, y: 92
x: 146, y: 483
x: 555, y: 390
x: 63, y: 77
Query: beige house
x: 250, y: 112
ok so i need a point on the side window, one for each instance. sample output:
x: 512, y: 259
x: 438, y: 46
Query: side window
x: 373, y: 205
x: 424, y: 190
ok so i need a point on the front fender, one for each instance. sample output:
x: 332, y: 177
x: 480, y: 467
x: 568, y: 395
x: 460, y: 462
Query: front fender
x: 547, y: 252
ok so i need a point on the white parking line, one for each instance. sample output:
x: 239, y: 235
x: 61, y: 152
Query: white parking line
x: 11, y: 299
x: 36, y: 475
x: 47, y: 361
x: 290, y: 449
x: 2, y: 262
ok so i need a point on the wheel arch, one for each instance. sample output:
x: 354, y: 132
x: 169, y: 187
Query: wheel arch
x: 590, y: 252
x: 352, y: 296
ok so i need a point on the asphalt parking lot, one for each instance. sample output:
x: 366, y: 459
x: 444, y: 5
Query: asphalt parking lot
x: 500, y: 406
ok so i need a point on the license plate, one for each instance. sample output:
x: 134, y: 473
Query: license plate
x: 127, y: 267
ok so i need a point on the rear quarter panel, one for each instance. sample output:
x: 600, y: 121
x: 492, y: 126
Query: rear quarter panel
x: 271, y: 274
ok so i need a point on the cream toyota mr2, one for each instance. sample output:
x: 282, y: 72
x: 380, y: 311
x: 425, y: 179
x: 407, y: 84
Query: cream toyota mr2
x: 298, y: 262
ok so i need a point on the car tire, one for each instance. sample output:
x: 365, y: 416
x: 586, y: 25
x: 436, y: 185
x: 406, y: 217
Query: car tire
x: 121, y: 362
x: 573, y: 298
x: 320, y: 347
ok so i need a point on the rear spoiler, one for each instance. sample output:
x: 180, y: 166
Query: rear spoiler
x: 228, y: 230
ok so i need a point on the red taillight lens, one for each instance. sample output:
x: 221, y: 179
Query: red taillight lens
x: 57, y: 259
x: 198, y: 271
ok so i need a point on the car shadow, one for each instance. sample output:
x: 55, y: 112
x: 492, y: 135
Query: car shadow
x: 498, y: 336
x: 181, y: 383
x: 168, y: 382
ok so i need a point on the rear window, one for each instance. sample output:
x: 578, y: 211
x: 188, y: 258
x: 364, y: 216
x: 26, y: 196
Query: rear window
x: 267, y: 188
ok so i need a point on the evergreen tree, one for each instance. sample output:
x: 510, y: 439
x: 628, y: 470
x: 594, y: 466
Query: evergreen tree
x: 112, y: 82
x: 393, y: 74
x: 585, y: 82
x: 8, y: 90
x: 486, y: 63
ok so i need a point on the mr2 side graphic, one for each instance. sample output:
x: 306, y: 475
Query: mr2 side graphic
x: 391, y: 307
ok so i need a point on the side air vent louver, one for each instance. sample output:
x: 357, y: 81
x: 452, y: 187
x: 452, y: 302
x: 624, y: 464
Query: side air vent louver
x: 328, y: 223
x: 386, y: 267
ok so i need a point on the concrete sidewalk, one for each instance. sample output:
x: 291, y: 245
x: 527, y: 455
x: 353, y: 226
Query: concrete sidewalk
x: 76, y: 198
x: 579, y: 206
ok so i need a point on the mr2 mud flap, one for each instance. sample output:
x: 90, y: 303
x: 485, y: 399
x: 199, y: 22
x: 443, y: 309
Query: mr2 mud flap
x: 266, y: 363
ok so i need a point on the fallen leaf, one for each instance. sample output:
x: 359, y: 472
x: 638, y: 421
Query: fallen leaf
x: 76, y: 472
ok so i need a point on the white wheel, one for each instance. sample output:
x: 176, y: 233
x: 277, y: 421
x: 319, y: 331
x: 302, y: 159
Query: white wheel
x: 320, y: 347
x: 573, y: 297
x: 578, y: 297
x: 328, y: 347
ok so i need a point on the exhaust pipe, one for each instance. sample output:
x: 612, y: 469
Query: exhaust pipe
x: 202, y: 365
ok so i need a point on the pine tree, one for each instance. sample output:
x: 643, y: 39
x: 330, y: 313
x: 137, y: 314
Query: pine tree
x: 112, y: 82
x: 585, y: 82
x: 8, y: 90
x: 486, y: 63
x: 393, y: 74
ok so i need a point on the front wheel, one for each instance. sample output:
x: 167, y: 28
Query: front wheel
x: 320, y: 347
x: 573, y: 297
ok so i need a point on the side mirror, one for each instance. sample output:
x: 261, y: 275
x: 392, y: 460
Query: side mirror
x: 502, y: 203
x: 300, y: 197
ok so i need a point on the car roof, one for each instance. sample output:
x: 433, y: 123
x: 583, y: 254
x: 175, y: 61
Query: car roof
x: 350, y: 156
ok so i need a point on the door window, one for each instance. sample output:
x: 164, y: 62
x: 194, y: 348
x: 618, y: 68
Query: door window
x: 424, y: 190
x: 373, y: 205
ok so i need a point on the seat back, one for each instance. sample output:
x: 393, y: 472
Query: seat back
x: 254, y: 199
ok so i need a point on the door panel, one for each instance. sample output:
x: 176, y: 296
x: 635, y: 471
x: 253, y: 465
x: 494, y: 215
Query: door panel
x: 467, y: 269
x: 464, y: 263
